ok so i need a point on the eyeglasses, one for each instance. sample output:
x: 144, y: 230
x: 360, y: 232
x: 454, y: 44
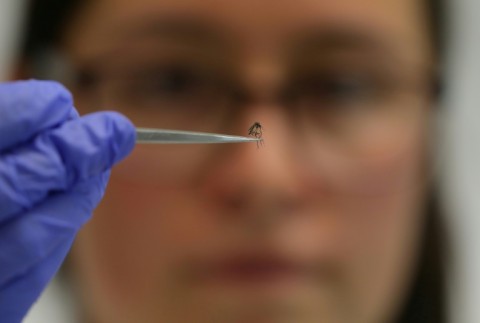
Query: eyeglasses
x: 339, y: 101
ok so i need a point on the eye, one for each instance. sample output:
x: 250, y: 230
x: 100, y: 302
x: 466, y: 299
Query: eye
x: 171, y: 82
x: 335, y: 89
x: 173, y: 87
x: 345, y: 88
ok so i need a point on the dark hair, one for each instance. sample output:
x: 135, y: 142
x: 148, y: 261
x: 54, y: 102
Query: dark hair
x: 46, y: 20
x: 427, y: 300
x: 45, y: 23
x: 436, y: 10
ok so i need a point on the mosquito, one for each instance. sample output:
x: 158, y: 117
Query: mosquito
x: 256, y: 131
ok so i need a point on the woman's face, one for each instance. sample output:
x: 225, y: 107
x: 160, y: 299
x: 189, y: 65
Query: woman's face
x: 321, y: 223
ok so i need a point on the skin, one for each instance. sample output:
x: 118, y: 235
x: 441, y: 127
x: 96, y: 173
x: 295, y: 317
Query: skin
x: 345, y: 212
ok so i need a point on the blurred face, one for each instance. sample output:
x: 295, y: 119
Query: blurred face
x: 321, y: 224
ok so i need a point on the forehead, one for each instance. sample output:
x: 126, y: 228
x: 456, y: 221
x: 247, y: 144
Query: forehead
x: 253, y: 23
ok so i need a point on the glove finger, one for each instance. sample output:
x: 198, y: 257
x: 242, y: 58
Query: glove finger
x: 29, y: 107
x: 57, y: 159
x: 28, y: 239
x: 19, y: 294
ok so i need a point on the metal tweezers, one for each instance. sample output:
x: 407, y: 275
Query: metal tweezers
x: 166, y: 136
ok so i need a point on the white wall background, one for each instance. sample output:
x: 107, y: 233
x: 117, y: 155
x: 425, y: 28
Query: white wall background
x: 462, y: 156
x: 460, y: 147
x: 10, y: 22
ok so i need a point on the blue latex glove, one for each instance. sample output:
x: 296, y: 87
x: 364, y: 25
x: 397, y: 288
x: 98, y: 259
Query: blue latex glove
x: 54, y: 168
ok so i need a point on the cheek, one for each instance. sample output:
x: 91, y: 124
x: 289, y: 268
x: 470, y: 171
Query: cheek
x: 128, y: 255
x: 157, y: 167
x: 385, y: 193
x: 375, y: 186
x: 389, y: 181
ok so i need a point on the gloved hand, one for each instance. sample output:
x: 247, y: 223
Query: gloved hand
x: 54, y: 168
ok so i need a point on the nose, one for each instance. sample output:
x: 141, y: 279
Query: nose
x: 259, y: 182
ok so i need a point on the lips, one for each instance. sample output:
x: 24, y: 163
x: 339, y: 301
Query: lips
x: 257, y: 269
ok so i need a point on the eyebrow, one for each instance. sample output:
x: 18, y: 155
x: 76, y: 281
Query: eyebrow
x: 184, y: 28
x: 327, y: 38
x: 194, y: 28
x: 370, y: 46
x: 348, y: 38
